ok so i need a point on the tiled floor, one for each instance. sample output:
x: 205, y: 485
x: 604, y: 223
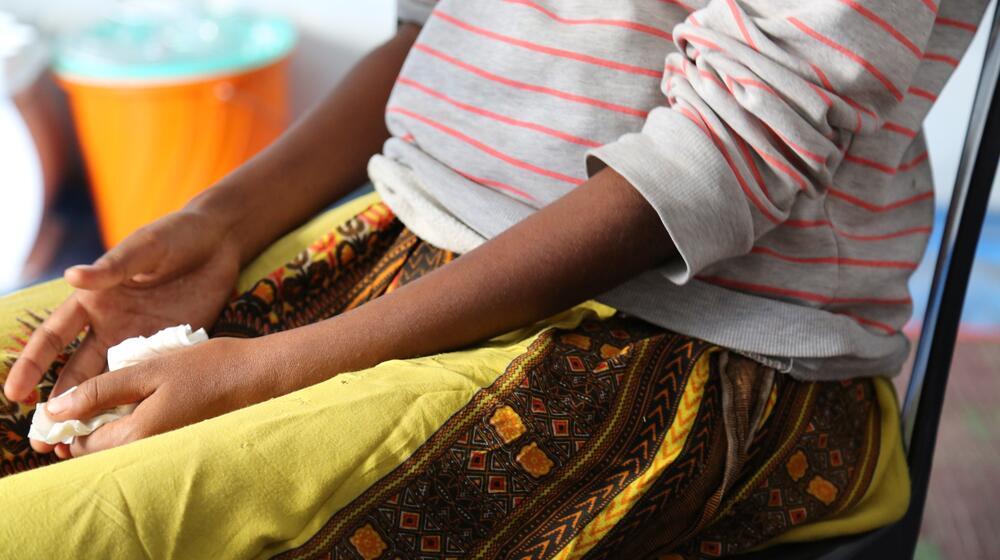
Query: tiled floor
x: 962, y: 519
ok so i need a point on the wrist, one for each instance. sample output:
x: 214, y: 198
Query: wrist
x: 223, y: 206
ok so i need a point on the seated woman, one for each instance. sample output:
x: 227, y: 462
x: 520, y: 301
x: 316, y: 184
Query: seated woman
x: 740, y: 185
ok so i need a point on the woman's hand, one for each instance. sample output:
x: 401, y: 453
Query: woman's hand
x: 173, y: 390
x: 179, y: 269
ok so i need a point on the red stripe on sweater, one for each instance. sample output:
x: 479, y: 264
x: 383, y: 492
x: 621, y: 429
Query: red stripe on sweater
x: 937, y: 57
x: 931, y: 6
x: 781, y: 166
x: 849, y: 54
x: 926, y: 230
x: 679, y: 4
x: 625, y: 24
x: 801, y: 294
x: 858, y: 108
x: 733, y: 9
x: 887, y: 169
x: 875, y: 207
x: 800, y: 149
x: 498, y: 117
x: 888, y: 329
x: 856, y: 236
x: 822, y: 76
x: 496, y: 185
x: 928, y: 95
x: 906, y: 166
x: 970, y: 27
x: 853, y: 103
x: 834, y: 260
x: 822, y: 94
x: 752, y: 83
x: 695, y: 119
x: 562, y: 53
x: 877, y: 20
x: 703, y: 42
x: 486, y: 149
x: 753, y: 168
x: 900, y: 129
x: 530, y: 87
x: 710, y: 132
x: 914, y: 162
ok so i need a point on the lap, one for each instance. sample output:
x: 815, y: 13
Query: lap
x: 589, y: 433
x: 257, y: 480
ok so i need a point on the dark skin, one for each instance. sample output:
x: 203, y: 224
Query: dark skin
x: 525, y: 274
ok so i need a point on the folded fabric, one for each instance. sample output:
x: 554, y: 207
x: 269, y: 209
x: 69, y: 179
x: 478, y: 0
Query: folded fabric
x: 128, y: 353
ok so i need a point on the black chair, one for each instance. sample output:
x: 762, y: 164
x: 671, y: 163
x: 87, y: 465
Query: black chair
x: 925, y: 394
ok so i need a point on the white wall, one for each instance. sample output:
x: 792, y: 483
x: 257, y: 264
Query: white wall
x: 945, y: 125
x: 336, y: 32
x: 333, y: 33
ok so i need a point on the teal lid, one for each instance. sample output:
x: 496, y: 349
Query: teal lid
x: 166, y: 41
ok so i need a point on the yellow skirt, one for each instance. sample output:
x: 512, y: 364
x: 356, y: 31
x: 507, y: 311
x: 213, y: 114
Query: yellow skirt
x: 588, y: 434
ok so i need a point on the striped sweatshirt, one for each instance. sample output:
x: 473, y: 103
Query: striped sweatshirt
x: 778, y: 140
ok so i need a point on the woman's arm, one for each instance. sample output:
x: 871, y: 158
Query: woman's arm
x: 585, y: 243
x: 320, y: 159
x: 596, y: 237
x: 181, y: 268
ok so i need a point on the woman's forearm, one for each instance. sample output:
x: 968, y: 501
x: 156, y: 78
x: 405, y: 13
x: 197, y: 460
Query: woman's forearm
x: 320, y: 159
x: 580, y: 246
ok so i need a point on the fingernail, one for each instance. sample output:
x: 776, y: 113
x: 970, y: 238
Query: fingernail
x: 58, y: 404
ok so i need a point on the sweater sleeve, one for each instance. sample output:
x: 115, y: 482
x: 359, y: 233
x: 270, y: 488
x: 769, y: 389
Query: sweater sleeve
x: 764, y: 98
x: 414, y: 11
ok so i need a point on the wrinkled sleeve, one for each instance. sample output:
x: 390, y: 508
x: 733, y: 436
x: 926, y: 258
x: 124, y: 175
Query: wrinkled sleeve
x: 762, y: 101
x: 414, y: 11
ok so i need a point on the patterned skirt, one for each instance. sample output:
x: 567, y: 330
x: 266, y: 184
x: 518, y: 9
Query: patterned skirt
x: 591, y: 434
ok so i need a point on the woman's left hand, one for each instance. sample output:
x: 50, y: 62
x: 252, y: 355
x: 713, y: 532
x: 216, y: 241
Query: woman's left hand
x: 172, y: 391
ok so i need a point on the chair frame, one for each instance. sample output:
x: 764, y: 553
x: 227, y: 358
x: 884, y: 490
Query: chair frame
x: 925, y: 395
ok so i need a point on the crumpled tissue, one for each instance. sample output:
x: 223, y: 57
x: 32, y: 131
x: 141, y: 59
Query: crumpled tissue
x: 128, y: 353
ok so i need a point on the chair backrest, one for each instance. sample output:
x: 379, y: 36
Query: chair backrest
x: 976, y: 172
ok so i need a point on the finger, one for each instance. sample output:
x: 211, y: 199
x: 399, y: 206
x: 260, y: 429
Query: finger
x: 123, y: 386
x: 87, y: 361
x: 45, y: 344
x: 133, y: 260
x: 121, y: 431
x: 62, y: 451
x: 41, y: 446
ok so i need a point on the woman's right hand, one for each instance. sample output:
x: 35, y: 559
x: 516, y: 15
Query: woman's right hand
x: 179, y: 269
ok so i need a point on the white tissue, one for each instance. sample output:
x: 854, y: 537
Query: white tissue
x: 129, y: 352
x: 44, y: 428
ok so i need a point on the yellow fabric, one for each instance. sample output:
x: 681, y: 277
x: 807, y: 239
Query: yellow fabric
x: 13, y: 308
x: 264, y: 479
x: 258, y: 481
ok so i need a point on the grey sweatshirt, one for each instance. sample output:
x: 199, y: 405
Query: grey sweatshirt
x: 779, y: 142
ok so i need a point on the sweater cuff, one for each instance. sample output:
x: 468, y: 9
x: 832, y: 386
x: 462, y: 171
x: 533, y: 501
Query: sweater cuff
x: 682, y: 175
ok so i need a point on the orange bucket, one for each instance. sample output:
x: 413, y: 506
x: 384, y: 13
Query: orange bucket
x: 151, y: 143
